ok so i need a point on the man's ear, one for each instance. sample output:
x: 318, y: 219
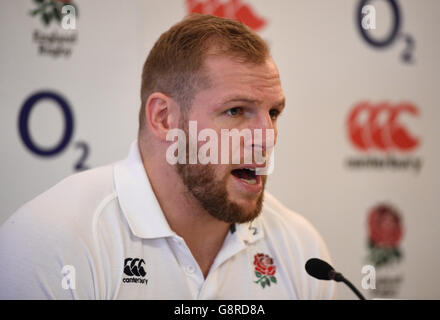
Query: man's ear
x: 162, y: 114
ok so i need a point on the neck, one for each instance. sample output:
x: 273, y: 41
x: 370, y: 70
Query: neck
x: 203, y: 234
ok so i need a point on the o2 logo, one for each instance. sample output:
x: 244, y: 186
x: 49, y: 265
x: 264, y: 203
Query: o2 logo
x: 394, y: 33
x: 23, y: 127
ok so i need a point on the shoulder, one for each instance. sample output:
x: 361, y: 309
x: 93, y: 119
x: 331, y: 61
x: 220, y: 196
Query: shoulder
x: 74, y: 200
x: 88, y: 186
x: 294, y: 240
x: 278, y: 218
x: 68, y: 210
x: 51, y: 231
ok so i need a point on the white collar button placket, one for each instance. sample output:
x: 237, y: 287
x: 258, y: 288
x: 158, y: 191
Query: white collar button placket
x: 188, y: 264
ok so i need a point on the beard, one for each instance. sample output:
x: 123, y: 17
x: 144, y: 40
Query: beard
x: 212, y: 195
x: 211, y: 192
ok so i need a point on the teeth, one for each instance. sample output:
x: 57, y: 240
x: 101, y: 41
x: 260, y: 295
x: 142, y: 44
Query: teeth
x: 251, y: 181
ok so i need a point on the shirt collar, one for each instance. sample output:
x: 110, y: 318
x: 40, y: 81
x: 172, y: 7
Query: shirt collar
x: 250, y: 232
x: 137, y: 199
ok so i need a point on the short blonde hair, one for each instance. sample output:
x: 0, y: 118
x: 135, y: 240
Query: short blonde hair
x: 175, y: 63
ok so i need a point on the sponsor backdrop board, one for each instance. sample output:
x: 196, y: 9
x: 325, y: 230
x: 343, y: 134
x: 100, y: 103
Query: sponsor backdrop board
x: 357, y: 152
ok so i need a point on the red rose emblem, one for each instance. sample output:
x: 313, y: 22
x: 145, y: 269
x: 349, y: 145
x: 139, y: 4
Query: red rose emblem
x: 385, y: 227
x: 264, y: 269
x: 264, y: 264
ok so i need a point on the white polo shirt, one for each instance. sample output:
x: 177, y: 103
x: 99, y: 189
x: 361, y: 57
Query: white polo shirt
x: 106, y: 229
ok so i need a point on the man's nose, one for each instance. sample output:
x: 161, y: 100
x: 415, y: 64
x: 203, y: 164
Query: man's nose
x: 264, y: 132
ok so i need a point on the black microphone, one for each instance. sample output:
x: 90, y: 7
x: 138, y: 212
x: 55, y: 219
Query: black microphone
x: 321, y: 270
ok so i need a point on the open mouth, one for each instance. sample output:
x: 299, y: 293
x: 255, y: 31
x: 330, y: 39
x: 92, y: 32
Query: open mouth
x: 246, y: 174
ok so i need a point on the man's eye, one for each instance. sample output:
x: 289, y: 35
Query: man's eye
x: 233, y: 112
x: 274, y: 114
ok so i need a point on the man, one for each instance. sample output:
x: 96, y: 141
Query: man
x: 147, y: 228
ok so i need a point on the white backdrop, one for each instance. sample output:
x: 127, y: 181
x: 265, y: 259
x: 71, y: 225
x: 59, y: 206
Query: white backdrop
x: 326, y: 67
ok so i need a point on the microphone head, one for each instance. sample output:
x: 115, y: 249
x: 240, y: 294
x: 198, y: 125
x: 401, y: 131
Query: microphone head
x: 319, y: 269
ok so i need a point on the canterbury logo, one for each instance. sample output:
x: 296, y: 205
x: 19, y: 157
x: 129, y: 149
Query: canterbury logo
x: 232, y: 9
x: 133, y: 267
x: 377, y: 127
